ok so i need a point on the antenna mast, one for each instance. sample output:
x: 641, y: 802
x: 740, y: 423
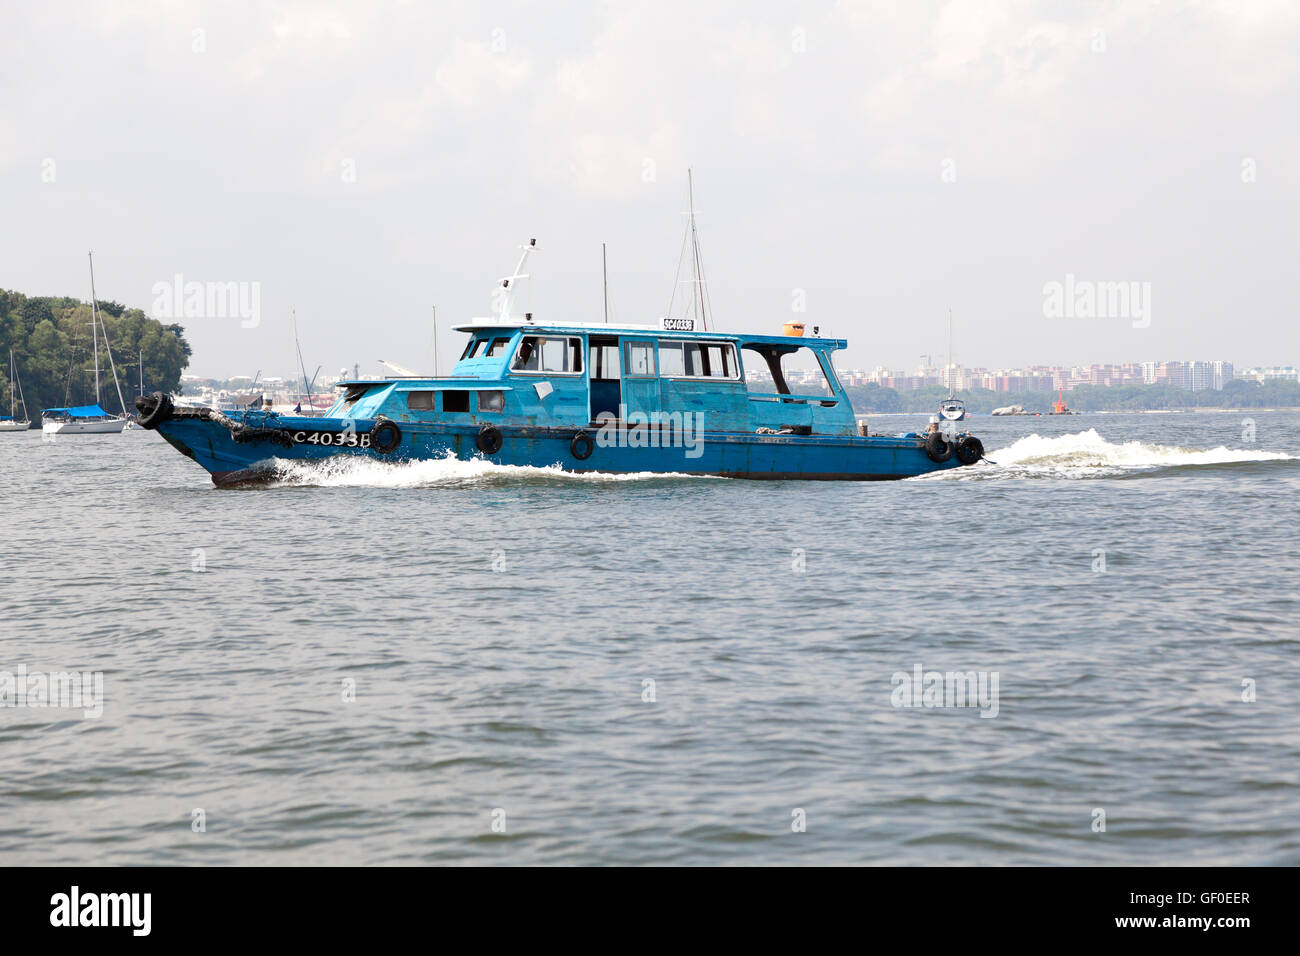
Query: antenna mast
x: 604, y: 276
x: 510, y: 282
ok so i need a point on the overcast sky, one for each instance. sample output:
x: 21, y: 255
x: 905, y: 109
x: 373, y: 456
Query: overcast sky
x: 364, y: 162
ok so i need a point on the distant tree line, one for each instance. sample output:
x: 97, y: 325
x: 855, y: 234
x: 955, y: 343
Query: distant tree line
x: 874, y: 399
x: 50, y: 337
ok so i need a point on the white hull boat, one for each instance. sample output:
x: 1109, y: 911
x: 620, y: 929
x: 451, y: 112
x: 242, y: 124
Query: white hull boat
x: 111, y: 426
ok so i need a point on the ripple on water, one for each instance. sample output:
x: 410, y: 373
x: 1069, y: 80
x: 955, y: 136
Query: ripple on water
x: 376, y: 664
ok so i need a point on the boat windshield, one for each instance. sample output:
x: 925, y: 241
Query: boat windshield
x: 350, y: 397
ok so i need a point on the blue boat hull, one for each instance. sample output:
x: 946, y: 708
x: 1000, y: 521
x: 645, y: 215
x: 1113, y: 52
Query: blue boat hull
x: 725, y: 454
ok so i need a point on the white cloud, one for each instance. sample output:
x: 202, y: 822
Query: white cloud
x: 475, y: 74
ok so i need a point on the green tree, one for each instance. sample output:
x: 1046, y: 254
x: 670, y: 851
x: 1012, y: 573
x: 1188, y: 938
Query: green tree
x: 50, y: 337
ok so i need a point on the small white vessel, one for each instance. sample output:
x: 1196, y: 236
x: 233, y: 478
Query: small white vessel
x: 83, y: 420
x: 952, y: 409
x: 12, y: 423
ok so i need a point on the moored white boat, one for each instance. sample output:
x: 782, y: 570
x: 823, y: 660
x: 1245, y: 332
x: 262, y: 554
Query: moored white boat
x: 84, y: 420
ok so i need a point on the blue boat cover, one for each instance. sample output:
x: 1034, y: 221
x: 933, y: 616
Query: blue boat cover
x: 80, y: 411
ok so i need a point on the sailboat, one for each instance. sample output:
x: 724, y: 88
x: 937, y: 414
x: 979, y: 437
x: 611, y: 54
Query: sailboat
x: 88, y: 419
x: 952, y: 408
x: 11, y: 423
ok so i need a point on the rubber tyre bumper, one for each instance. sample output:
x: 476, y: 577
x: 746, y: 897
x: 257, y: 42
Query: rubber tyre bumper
x: 969, y: 450
x: 937, y: 448
x: 153, y: 410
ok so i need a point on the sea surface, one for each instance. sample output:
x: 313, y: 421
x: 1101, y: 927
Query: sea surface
x: 458, y: 663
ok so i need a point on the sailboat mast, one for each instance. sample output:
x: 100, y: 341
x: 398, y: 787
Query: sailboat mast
x: 94, y: 313
x: 435, y: 342
x: 604, y: 278
x: 21, y: 397
x: 306, y: 387
x: 695, y: 251
x: 951, y: 372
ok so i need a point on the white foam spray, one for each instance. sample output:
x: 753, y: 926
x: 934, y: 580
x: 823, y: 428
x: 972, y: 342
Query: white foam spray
x: 1089, y: 455
x: 343, y: 471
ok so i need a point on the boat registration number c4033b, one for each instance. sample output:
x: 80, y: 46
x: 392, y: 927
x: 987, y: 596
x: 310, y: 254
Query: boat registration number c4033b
x: 344, y: 439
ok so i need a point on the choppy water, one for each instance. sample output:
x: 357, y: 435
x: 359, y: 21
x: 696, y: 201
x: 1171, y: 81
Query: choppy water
x: 499, y: 625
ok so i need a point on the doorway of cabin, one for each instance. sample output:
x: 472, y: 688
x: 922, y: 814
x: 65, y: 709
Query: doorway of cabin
x: 605, y: 376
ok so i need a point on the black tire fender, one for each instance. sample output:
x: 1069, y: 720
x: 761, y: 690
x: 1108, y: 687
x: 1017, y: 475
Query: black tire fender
x: 385, y: 437
x: 937, y: 448
x: 489, y: 440
x: 582, y: 446
x: 969, y: 449
x: 154, y: 410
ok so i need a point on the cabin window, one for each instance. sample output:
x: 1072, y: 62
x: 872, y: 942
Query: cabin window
x: 498, y: 347
x: 472, y: 349
x: 805, y: 375
x: 671, y: 362
x: 786, y: 370
x: 491, y: 401
x: 549, y: 354
x: 828, y: 367
x: 419, y: 401
x: 603, y: 362
x: 640, y: 358
x: 688, y: 359
x: 721, y: 358
x: 455, y: 400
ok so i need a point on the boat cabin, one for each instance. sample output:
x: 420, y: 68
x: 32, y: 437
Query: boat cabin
x: 544, y: 374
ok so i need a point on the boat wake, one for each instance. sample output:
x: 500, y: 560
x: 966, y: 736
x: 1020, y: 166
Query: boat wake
x: 449, y: 472
x: 1088, y: 455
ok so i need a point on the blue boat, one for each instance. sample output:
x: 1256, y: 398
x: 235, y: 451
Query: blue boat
x: 669, y: 398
